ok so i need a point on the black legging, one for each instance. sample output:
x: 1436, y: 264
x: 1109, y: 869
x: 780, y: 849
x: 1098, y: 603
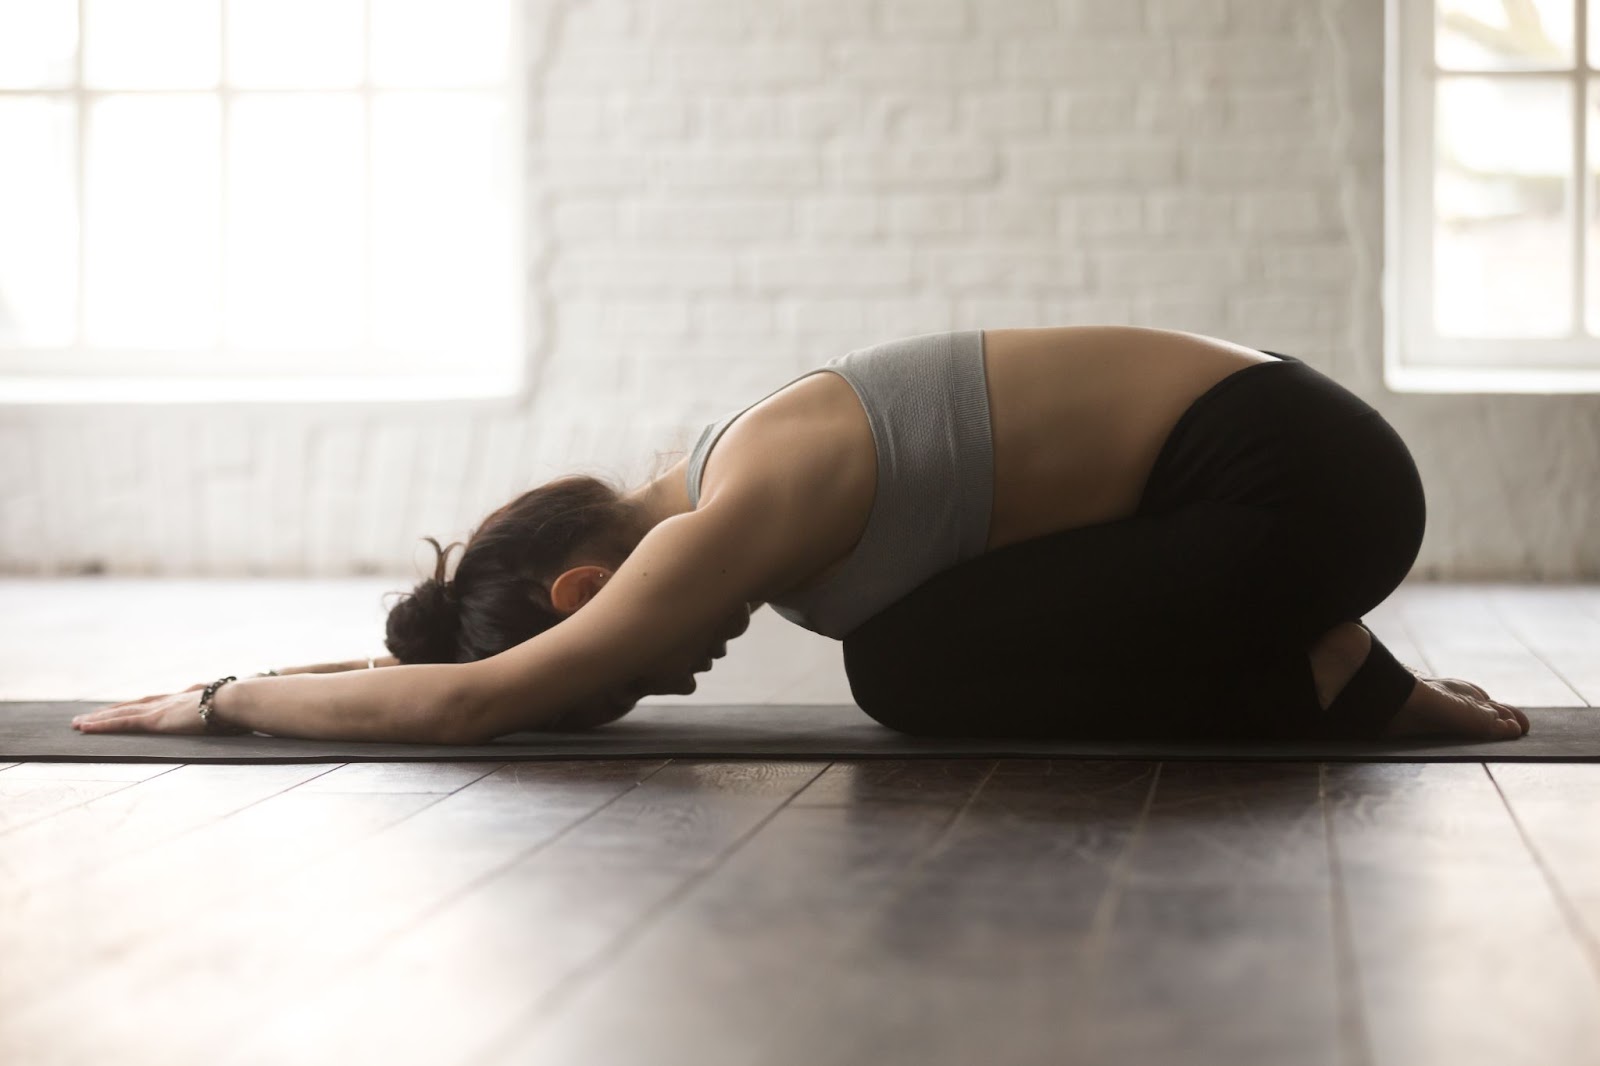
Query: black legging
x: 1280, y: 505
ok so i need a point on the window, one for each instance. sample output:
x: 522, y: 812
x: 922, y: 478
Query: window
x: 216, y: 195
x: 1494, y: 245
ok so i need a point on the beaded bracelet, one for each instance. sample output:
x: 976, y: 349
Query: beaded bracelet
x: 211, y: 724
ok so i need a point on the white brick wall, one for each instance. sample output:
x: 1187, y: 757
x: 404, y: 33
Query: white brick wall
x: 722, y: 193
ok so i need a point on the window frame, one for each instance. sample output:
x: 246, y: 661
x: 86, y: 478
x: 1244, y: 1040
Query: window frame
x: 1416, y: 357
x: 80, y: 374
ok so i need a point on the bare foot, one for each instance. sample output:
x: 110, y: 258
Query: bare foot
x: 1450, y: 708
x: 1436, y: 707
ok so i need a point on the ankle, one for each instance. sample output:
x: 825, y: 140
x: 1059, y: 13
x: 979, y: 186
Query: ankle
x: 1335, y: 658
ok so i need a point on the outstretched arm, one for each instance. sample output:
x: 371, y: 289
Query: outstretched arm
x: 670, y: 599
x: 423, y: 703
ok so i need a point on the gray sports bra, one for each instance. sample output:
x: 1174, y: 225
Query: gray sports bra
x: 927, y: 402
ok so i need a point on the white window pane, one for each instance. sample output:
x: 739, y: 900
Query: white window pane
x: 295, y: 222
x: 442, y: 255
x: 1504, y: 34
x: 38, y: 223
x: 152, y: 222
x: 150, y: 44
x: 1502, y: 238
x: 38, y: 43
x: 295, y: 44
x: 439, y: 42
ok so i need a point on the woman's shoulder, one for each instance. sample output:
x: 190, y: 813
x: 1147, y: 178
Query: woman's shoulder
x: 809, y: 452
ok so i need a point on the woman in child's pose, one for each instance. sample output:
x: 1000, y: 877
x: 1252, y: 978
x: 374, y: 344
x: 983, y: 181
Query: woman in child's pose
x: 1108, y: 532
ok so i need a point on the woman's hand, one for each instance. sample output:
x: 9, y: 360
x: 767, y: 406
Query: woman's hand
x: 175, y: 713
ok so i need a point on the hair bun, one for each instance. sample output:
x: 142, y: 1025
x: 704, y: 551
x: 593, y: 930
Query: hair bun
x: 425, y: 625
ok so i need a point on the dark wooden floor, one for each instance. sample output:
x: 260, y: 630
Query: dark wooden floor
x: 887, y: 912
x: 957, y: 912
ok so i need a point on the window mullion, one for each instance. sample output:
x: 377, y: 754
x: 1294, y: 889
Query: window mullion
x: 368, y: 235
x: 224, y: 177
x: 81, y: 113
x: 1580, y: 171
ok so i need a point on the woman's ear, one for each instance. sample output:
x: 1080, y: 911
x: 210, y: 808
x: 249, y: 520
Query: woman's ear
x: 577, y: 587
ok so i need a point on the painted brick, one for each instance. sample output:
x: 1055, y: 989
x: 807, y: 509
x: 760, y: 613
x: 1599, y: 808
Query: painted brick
x: 653, y: 118
x: 841, y: 216
x: 1054, y: 61
x: 826, y: 18
x: 606, y: 270
x: 1010, y: 269
x: 1103, y: 16
x: 925, y: 18
x: 915, y: 165
x: 924, y: 215
x: 817, y: 116
x: 710, y: 220
x: 703, y: 19
x: 1187, y: 17
x: 1006, y: 111
x: 897, y: 63
x: 737, y: 170
x: 832, y: 270
x: 1013, y: 15
x: 735, y: 316
x: 1102, y: 111
x: 1295, y: 211
x: 731, y: 118
x: 1022, y: 219
x: 1102, y: 215
x: 1088, y: 164
x: 912, y: 117
x: 1192, y: 214
x: 582, y: 220
x: 574, y: 117
x: 758, y: 64
x: 1242, y: 60
x: 1157, y: 266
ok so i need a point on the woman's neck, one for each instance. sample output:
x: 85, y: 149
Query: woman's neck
x: 664, y: 497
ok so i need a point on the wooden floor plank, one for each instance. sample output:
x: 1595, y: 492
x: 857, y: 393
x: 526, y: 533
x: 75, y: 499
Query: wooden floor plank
x: 986, y: 926
x: 1462, y: 953
x: 1556, y: 626
x: 763, y: 961
x: 267, y: 947
x: 436, y: 993
x: 1557, y: 807
x: 89, y: 771
x: 859, y: 784
x: 132, y: 818
x: 441, y: 777
x: 25, y: 798
x: 1459, y: 631
x: 50, y: 938
x: 1226, y: 888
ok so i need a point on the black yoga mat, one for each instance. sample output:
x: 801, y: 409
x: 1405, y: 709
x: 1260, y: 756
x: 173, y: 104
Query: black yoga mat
x: 43, y: 732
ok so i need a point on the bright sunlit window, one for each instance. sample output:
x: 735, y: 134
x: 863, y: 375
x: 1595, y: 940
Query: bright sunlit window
x: 272, y: 193
x: 1494, y: 152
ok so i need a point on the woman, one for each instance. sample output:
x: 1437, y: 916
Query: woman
x: 1074, y: 532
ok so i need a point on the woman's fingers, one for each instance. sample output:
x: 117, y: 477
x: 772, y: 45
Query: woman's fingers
x: 115, y: 723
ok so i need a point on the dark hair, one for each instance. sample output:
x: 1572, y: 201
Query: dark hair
x: 499, y: 596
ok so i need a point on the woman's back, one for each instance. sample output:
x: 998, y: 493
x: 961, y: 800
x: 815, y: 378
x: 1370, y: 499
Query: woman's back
x: 1076, y: 417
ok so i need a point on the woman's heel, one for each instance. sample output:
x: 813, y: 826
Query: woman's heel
x: 1370, y: 698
